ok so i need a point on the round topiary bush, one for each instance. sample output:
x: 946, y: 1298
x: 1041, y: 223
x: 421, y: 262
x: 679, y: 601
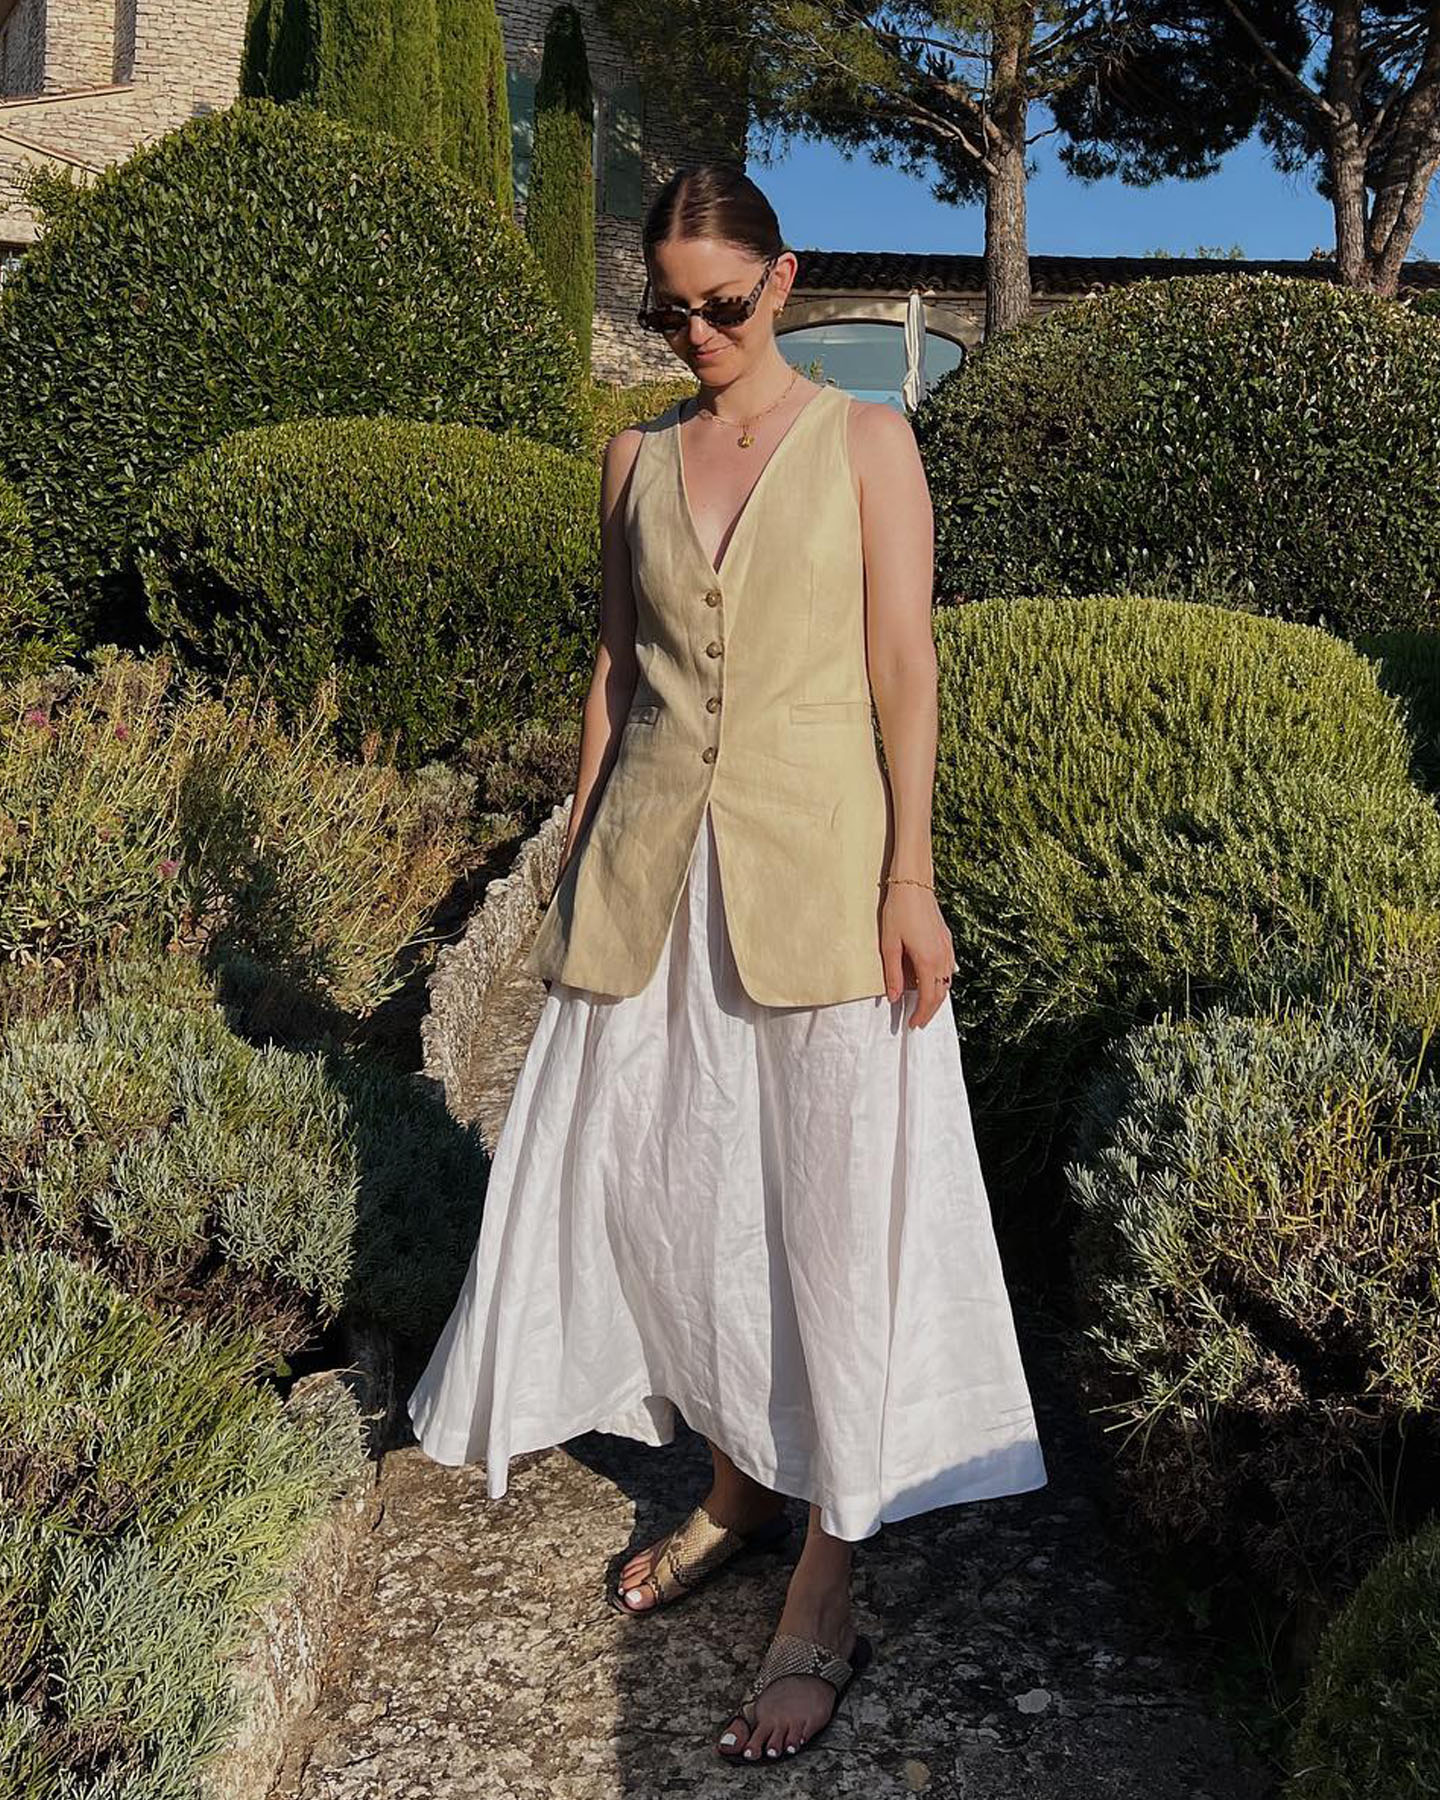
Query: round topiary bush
x: 1369, y: 1725
x: 448, y: 575
x: 1268, y: 442
x: 1409, y: 667
x: 1257, y: 1266
x: 29, y: 638
x: 259, y: 264
x: 1133, y: 799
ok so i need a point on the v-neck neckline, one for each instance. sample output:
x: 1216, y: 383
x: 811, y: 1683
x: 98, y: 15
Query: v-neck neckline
x: 745, y: 505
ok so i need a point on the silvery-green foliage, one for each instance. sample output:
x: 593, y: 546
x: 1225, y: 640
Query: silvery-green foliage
x: 1258, y: 1258
x: 153, y: 1494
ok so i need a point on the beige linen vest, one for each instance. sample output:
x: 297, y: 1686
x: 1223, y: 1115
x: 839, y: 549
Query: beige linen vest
x: 753, y: 697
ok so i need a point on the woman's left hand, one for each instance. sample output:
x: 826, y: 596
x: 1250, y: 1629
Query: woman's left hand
x: 913, y: 928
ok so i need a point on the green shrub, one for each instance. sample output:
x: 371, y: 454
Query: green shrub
x: 213, y: 1177
x: 29, y: 639
x: 612, y: 406
x: 475, y: 106
x: 448, y: 575
x: 1270, y: 441
x: 259, y: 264
x: 1133, y: 799
x: 1258, y: 1269
x: 560, y: 203
x: 153, y: 1494
x: 1368, y: 1729
x: 135, y: 809
x: 1409, y: 667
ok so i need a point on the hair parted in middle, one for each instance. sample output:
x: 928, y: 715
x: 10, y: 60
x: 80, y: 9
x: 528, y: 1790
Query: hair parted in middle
x: 714, y: 199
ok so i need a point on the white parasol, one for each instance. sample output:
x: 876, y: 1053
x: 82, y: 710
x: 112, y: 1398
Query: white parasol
x: 915, y: 385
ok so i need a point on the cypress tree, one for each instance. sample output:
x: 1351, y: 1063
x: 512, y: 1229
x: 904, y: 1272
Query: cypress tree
x: 474, y: 105
x: 560, y: 206
x: 373, y: 63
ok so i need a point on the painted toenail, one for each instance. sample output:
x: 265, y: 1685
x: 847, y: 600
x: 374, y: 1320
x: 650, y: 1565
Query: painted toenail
x: 770, y: 1750
x: 729, y: 1738
x: 635, y: 1596
x: 749, y: 1752
x: 790, y: 1749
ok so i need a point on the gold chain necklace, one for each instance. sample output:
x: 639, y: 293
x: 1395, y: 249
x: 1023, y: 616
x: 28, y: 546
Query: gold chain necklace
x: 746, y: 437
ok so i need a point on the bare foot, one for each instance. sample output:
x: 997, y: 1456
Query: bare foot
x: 796, y: 1705
x: 740, y: 1513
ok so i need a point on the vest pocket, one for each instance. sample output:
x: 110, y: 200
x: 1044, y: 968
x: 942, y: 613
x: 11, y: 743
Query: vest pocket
x: 821, y: 712
x: 643, y: 715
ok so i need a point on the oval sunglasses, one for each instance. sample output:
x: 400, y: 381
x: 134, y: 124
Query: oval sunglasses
x: 722, y: 311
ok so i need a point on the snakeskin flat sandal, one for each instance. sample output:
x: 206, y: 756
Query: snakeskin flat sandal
x: 693, y: 1551
x: 791, y: 1655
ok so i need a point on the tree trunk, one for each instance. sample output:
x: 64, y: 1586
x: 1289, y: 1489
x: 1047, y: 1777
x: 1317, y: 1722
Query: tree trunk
x: 1007, y: 251
x: 1007, y: 254
x: 1347, y: 155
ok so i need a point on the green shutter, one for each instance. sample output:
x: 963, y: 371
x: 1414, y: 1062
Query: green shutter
x: 623, y: 177
x: 520, y: 91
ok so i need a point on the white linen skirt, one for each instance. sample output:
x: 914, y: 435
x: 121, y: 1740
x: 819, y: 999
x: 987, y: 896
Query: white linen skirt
x: 769, y: 1218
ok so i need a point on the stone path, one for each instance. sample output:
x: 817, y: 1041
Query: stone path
x: 1018, y: 1652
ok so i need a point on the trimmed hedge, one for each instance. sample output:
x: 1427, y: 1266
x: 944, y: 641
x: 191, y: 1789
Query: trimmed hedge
x: 448, y: 575
x: 1133, y: 799
x: 229, y: 1181
x: 136, y: 809
x: 1369, y: 1729
x: 1409, y: 667
x: 260, y: 263
x: 29, y: 639
x: 1266, y: 441
x: 153, y: 1494
x: 613, y: 406
x: 1258, y: 1270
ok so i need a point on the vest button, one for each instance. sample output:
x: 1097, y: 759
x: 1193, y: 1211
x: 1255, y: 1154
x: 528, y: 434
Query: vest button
x: 714, y: 647
x: 708, y: 753
x: 713, y: 597
x: 713, y: 703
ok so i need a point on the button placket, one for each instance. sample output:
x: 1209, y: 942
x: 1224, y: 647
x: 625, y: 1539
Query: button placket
x: 714, y: 649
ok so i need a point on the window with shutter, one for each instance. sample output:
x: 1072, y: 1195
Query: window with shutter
x: 520, y: 91
x: 623, y: 168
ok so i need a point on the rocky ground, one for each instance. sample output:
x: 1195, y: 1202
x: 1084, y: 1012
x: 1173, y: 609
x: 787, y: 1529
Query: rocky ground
x: 1020, y: 1651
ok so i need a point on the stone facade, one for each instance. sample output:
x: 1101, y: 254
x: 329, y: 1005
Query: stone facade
x: 85, y: 83
x: 89, y: 82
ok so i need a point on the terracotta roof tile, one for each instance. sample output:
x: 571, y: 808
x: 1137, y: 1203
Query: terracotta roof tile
x: 861, y: 271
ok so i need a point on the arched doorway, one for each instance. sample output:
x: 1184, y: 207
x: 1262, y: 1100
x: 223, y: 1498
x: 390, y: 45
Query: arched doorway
x: 866, y: 357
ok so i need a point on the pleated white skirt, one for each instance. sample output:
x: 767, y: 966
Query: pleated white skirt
x: 770, y: 1218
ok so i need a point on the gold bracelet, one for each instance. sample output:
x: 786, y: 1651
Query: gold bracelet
x: 910, y: 881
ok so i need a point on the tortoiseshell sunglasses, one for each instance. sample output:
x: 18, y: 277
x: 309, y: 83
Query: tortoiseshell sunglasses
x: 724, y: 311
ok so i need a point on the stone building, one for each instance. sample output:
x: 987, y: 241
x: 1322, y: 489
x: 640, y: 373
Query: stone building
x: 83, y: 83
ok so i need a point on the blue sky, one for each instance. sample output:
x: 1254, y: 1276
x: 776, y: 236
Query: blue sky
x: 827, y: 203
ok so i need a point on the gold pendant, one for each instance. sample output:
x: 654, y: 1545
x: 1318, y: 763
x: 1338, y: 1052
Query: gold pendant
x: 746, y: 440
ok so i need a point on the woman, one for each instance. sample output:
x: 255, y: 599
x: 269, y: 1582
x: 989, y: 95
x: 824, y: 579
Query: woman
x: 737, y: 1177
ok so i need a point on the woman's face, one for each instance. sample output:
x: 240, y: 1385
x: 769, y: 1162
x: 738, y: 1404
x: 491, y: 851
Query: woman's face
x: 693, y: 270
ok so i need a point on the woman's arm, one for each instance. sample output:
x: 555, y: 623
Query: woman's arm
x: 898, y: 530
x: 612, y: 685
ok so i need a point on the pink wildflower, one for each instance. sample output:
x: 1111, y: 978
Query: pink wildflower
x: 122, y: 730
x: 168, y: 867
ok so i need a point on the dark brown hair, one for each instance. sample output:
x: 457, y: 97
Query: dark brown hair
x: 713, y: 200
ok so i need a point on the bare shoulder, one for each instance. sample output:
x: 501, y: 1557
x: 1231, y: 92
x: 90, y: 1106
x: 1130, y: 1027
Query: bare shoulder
x: 883, y: 449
